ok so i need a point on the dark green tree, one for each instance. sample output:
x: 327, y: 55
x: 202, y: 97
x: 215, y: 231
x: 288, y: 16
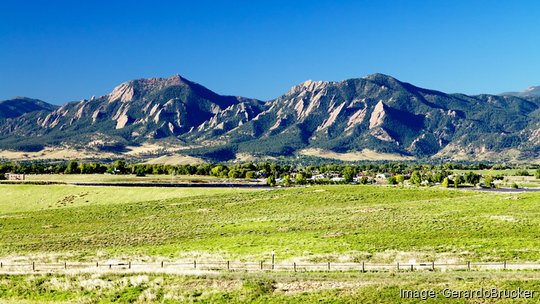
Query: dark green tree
x: 72, y: 167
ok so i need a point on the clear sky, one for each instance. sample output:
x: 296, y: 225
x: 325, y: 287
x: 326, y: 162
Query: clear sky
x: 61, y: 51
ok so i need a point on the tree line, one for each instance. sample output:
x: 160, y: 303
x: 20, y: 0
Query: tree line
x: 416, y: 174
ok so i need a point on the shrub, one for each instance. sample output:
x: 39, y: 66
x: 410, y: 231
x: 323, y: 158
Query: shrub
x: 522, y: 173
x: 446, y: 182
x: 392, y: 180
x: 271, y: 181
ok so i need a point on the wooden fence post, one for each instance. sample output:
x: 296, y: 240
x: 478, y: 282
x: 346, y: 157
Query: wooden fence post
x: 129, y: 265
x: 1, y: 264
x: 161, y: 264
x: 468, y: 265
x: 261, y: 265
x: 328, y: 265
x: 504, y: 265
x: 228, y: 265
x: 412, y: 267
x: 65, y: 265
x: 294, y: 266
x: 363, y: 267
x: 433, y: 266
x: 110, y: 265
x: 397, y: 266
x: 33, y: 266
x: 195, y: 264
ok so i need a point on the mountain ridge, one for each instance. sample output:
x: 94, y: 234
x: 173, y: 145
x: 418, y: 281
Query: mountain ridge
x: 532, y: 91
x: 376, y: 112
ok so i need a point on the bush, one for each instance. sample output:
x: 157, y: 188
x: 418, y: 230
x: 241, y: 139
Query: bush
x: 363, y: 180
x: 251, y: 174
x: 488, y: 181
x: 522, y: 173
x: 458, y: 180
x: 446, y: 182
x: 271, y: 181
x: 300, y: 179
x: 392, y: 180
x: 415, y: 179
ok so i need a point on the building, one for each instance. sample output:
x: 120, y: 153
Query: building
x: 14, y: 176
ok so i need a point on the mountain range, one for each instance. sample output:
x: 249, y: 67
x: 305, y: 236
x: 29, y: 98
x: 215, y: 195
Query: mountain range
x: 374, y: 117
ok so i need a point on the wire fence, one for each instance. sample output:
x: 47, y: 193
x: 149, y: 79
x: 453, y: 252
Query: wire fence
x: 28, y: 267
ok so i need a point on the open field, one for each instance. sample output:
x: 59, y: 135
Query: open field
x: 266, y: 287
x: 509, y: 177
x: 129, y: 178
x: 494, y: 172
x: 31, y: 199
x: 319, y: 224
x: 327, y: 223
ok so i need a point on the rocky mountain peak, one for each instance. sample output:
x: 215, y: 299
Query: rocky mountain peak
x: 126, y: 91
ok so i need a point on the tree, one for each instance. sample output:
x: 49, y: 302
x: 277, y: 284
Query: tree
x: 400, y: 178
x: 271, y: 181
x: 348, y: 174
x: 437, y: 177
x: 286, y: 181
x: 363, y: 180
x: 139, y: 171
x: 72, y: 167
x: 216, y: 171
x: 537, y: 174
x: 522, y: 173
x: 445, y: 182
x: 458, y: 180
x: 120, y: 165
x: 300, y: 179
x: 472, y: 178
x: 233, y: 173
x: 251, y: 174
x: 416, y: 179
x: 392, y: 180
x: 488, y: 181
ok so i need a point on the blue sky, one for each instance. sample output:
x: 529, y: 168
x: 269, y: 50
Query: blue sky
x: 61, y: 51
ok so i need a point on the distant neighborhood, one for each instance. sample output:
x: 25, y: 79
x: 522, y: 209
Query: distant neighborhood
x: 273, y: 174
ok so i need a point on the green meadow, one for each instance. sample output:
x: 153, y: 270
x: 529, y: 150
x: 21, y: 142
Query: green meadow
x: 340, y: 223
x: 326, y: 223
x: 32, y: 199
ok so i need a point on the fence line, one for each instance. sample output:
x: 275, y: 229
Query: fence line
x: 262, y: 266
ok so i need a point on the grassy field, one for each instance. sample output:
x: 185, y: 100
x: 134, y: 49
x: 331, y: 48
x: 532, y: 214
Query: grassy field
x: 128, y: 178
x: 509, y: 177
x: 258, y: 288
x: 35, y: 199
x: 494, y: 172
x: 375, y: 224
x: 328, y: 223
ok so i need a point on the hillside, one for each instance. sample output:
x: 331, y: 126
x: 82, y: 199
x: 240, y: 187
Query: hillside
x: 529, y: 92
x: 376, y: 113
x: 22, y: 105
